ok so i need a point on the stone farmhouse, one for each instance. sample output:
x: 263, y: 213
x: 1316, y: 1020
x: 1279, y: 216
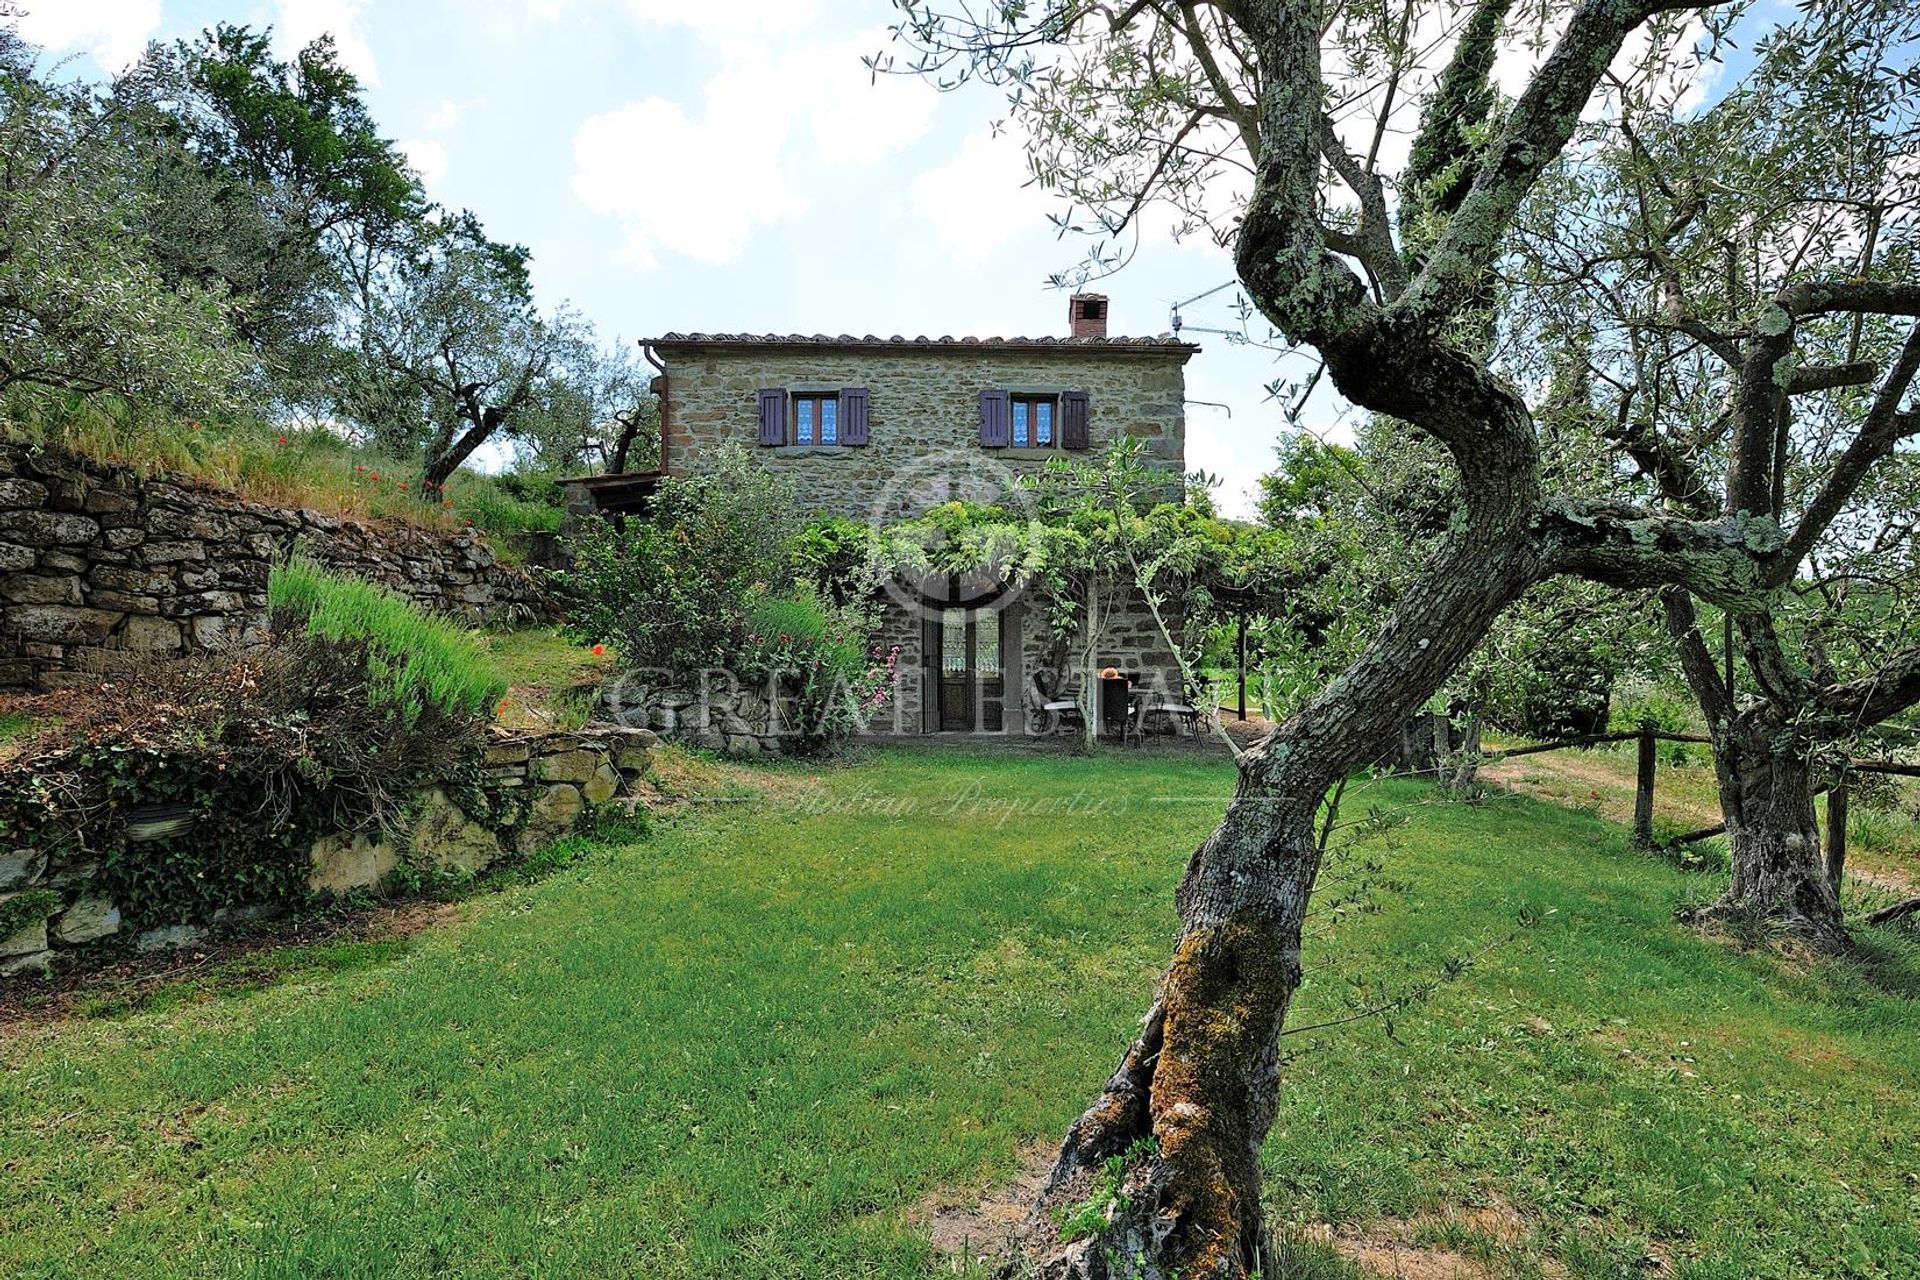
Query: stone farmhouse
x: 881, y: 429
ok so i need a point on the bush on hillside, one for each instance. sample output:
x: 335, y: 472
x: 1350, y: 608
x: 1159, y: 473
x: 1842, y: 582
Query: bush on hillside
x: 674, y: 591
x: 814, y: 653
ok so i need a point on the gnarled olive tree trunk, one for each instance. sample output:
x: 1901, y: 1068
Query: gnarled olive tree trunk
x: 1195, y: 1095
x: 1764, y: 762
x: 1766, y: 795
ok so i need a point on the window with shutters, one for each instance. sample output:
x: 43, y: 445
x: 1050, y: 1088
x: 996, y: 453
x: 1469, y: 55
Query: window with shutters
x: 1035, y: 418
x: 1034, y: 422
x: 813, y: 417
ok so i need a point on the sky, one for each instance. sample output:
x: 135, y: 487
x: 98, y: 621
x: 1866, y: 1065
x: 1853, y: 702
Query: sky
x: 715, y: 165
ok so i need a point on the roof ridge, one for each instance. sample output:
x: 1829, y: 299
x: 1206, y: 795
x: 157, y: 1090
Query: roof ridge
x: 1161, y: 342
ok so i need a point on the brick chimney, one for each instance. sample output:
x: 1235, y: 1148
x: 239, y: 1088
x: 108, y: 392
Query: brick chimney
x: 1087, y: 314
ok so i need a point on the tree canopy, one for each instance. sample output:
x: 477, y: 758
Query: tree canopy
x: 222, y: 229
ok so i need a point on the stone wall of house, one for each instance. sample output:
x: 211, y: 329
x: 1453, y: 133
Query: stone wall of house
x: 534, y: 790
x: 100, y: 565
x: 923, y: 415
x: 1129, y: 641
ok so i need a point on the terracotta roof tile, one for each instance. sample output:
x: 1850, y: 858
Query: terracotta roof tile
x: 1163, y: 343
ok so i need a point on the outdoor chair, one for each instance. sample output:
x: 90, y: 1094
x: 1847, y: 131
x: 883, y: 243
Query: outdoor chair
x: 1061, y: 713
x: 1181, y: 708
x: 1058, y: 710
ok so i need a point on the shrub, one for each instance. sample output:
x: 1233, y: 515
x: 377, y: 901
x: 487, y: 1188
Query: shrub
x: 673, y: 591
x: 1669, y: 710
x: 812, y: 652
x: 840, y: 557
x: 413, y: 659
x: 1555, y: 691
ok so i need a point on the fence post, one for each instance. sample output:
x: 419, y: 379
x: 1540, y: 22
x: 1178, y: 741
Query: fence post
x: 1643, y: 788
x: 1837, y: 833
x: 1241, y: 657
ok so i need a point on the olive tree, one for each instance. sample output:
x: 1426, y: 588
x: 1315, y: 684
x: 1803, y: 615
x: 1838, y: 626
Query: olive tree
x: 264, y: 179
x: 1388, y: 277
x: 84, y: 306
x: 1649, y: 254
x: 456, y: 354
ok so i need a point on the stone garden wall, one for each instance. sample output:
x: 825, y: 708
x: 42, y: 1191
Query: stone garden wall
x: 714, y: 711
x: 533, y: 790
x: 100, y: 565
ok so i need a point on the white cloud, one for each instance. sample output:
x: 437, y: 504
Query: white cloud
x: 981, y: 199
x: 856, y: 117
x: 300, y: 22
x: 443, y: 115
x: 1663, y: 70
x: 1209, y: 450
x: 426, y: 157
x: 692, y: 186
x: 699, y: 183
x: 720, y: 19
x: 114, y: 32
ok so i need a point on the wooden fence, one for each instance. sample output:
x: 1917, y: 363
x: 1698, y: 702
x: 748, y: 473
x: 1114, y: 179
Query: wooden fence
x: 1649, y: 740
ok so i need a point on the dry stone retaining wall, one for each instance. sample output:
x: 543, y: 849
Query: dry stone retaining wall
x: 713, y: 710
x: 100, y: 566
x: 543, y: 785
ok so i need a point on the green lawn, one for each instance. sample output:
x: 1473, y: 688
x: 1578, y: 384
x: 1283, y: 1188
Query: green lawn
x: 749, y: 1045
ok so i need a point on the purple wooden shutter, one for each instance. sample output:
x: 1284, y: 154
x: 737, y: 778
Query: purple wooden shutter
x: 1073, y: 421
x: 773, y: 415
x: 853, y: 415
x: 996, y: 423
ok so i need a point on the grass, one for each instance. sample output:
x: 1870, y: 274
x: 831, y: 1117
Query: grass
x: 14, y: 725
x: 1883, y: 831
x: 420, y: 659
x: 287, y: 466
x: 552, y: 682
x: 249, y: 975
x: 749, y: 1045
